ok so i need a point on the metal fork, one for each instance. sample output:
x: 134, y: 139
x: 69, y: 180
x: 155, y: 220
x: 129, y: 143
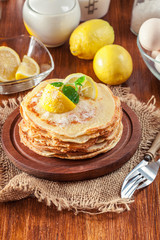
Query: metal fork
x: 141, y: 178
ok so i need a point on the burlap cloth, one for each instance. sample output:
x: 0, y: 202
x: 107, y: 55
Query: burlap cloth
x: 93, y: 196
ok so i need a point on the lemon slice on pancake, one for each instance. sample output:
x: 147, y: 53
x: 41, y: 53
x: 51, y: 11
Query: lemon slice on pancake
x: 52, y: 100
x: 89, y: 87
x: 28, y: 67
x: 9, y: 62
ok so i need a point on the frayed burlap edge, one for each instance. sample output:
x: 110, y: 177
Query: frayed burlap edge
x: 22, y: 185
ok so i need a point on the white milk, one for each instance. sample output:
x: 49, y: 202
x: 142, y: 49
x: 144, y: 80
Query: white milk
x: 51, y: 21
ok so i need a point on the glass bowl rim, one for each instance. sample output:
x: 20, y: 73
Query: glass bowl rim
x: 47, y: 72
x: 145, y: 54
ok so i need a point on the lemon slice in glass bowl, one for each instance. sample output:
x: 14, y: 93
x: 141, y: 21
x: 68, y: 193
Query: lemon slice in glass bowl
x: 88, y: 88
x: 27, y: 68
x: 9, y: 62
x: 53, y: 100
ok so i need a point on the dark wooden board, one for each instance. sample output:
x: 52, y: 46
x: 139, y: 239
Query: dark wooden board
x: 70, y: 170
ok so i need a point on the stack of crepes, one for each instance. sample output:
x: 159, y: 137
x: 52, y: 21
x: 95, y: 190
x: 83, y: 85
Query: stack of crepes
x: 94, y: 126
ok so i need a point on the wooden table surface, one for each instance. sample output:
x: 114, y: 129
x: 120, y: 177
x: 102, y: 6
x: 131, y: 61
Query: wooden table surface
x: 28, y: 219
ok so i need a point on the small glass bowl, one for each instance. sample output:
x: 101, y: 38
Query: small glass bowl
x: 149, y: 61
x: 27, y: 45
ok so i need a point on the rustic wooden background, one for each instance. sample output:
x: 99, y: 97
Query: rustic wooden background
x: 28, y: 219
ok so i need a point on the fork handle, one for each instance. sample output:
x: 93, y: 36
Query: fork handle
x: 153, y: 149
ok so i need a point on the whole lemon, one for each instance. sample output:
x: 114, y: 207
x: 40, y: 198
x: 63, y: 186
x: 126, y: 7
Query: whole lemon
x: 89, y: 37
x: 113, y: 64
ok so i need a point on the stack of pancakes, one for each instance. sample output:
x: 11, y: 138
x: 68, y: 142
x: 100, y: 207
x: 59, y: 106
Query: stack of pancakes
x: 91, y: 128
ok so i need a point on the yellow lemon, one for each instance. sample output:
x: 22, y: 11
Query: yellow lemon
x: 28, y: 67
x: 89, y: 87
x: 53, y: 100
x: 9, y: 62
x: 112, y: 64
x: 89, y: 37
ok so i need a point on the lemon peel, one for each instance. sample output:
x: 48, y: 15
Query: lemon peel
x: 89, y: 87
x: 89, y: 37
x: 113, y: 64
x: 9, y: 62
x: 54, y: 101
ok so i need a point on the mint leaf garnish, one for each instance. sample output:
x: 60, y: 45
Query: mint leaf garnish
x: 71, y: 93
x: 80, y: 80
x: 57, y: 84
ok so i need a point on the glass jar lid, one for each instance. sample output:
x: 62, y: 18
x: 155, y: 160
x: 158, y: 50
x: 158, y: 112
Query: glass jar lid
x: 51, y: 7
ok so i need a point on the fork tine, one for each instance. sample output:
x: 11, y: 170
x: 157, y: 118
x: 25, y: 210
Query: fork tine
x: 139, y: 178
x: 145, y: 184
x: 132, y: 185
x: 150, y: 173
x: 131, y: 182
x: 129, y: 195
x: 130, y: 192
x: 128, y: 180
x: 134, y: 172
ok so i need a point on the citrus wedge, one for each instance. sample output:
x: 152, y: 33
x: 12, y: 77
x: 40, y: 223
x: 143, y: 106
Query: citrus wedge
x: 52, y: 100
x: 89, y: 87
x: 9, y: 62
x: 28, y: 68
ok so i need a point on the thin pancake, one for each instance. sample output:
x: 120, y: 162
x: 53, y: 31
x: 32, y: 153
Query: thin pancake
x: 88, y: 116
x: 93, y: 127
x: 74, y: 155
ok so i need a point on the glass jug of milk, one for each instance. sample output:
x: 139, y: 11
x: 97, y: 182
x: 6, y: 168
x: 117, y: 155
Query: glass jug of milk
x: 51, y: 21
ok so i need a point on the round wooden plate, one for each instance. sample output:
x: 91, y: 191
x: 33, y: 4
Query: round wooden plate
x: 68, y: 170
